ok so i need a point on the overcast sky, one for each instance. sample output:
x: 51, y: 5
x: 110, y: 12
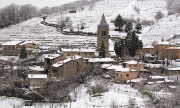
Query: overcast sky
x: 37, y: 3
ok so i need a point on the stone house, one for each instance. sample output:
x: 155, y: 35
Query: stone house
x: 29, y: 46
x: 37, y: 80
x: 12, y: 48
x: 159, y: 48
x: 172, y: 52
x: 124, y: 74
x: 51, y: 59
x: 135, y: 65
x: 68, y: 67
x: 148, y: 50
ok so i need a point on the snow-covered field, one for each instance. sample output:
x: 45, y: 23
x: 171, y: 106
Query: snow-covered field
x: 41, y: 34
x: 117, y: 93
x: 10, y: 102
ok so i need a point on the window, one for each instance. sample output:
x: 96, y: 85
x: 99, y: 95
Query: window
x: 135, y: 65
x: 121, y: 74
x: 116, y: 74
x: 90, y: 53
x: 103, y: 33
x: 68, y: 54
x: 78, y: 53
x: 85, y: 53
x: 127, y: 75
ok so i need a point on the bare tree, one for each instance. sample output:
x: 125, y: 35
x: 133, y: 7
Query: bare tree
x: 114, y: 104
x: 136, y: 9
x: 131, y: 103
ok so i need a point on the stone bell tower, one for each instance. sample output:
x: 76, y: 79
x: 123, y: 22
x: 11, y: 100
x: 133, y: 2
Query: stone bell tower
x: 103, y: 34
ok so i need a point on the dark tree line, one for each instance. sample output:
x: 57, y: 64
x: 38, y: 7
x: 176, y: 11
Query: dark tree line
x: 14, y: 14
x: 119, y: 23
x: 102, y: 51
x: 131, y: 42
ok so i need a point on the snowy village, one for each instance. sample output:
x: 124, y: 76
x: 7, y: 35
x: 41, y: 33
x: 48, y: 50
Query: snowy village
x: 91, y: 54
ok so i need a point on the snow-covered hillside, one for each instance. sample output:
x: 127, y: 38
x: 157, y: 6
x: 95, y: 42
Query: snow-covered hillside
x: 33, y: 30
x: 119, y: 94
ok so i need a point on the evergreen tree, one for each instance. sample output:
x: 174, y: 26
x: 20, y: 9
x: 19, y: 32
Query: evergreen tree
x: 119, y: 22
x: 138, y: 27
x: 118, y: 47
x: 133, y: 43
x: 128, y: 27
x: 102, y: 51
x: 23, y: 53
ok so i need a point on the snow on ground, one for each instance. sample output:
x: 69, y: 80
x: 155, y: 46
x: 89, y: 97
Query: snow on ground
x: 32, y: 30
x: 10, y: 102
x: 9, y: 58
x: 119, y: 93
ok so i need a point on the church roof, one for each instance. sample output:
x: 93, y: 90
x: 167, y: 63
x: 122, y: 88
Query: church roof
x: 103, y: 21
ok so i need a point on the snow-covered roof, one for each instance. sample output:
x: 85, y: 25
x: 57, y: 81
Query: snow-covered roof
x: 77, y: 50
x: 75, y: 57
x: 51, y: 56
x: 153, y: 65
x: 37, y: 68
x: 105, y: 65
x: 94, y: 60
x: 157, y: 77
x: 60, y: 63
x: 114, y: 67
x: 148, y: 46
x: 125, y: 70
x: 132, y: 62
x: 12, y: 43
x: 103, y: 22
x: 26, y: 42
x: 164, y: 43
x: 31, y: 76
x: 174, y: 69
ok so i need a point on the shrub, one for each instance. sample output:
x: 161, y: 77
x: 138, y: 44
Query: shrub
x: 97, y: 89
x: 149, y: 94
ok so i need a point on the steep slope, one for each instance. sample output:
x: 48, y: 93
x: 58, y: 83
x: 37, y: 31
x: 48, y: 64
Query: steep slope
x: 31, y: 29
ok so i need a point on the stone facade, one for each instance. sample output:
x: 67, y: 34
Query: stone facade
x: 69, y: 67
x: 125, y: 74
x: 103, y: 35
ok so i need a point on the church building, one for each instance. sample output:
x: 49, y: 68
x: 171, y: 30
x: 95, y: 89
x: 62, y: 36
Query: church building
x: 103, y: 35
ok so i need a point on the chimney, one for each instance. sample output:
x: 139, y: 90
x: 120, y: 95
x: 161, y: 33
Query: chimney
x: 71, y: 57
